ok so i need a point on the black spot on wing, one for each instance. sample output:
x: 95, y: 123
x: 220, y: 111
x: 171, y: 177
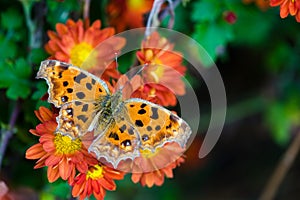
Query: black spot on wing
x: 64, y: 99
x: 130, y: 131
x: 149, y: 128
x: 114, y: 136
x: 142, y: 111
x: 145, y: 137
x: 88, y: 86
x: 70, y: 111
x: 69, y: 90
x: 65, y: 83
x: 169, y: 126
x: 126, y: 143
x: 82, y: 118
x: 122, y: 128
x: 85, y: 107
x: 79, y: 77
x: 154, y: 113
x: 77, y: 103
x: 143, y: 105
x: 80, y: 95
x: 93, y: 81
x: 139, y: 123
x: 157, y: 127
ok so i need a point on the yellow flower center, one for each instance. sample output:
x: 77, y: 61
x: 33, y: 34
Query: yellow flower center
x: 158, y: 72
x: 95, y: 172
x: 79, y: 53
x: 65, y: 145
x: 152, y: 92
x: 149, y: 55
x: 135, y: 4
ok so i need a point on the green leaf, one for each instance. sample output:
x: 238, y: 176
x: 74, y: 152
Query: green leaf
x: 11, y: 19
x: 282, y: 116
x: 23, y: 70
x: 252, y: 26
x: 279, y: 123
x: 8, y: 49
x: 41, y: 89
x: 206, y: 10
x: 17, y: 90
x: 59, y: 189
x: 278, y: 57
x: 15, y: 77
x: 60, y: 12
x: 37, y: 55
x: 213, y: 37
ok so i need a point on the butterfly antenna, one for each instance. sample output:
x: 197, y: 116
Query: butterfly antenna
x: 141, y: 69
x: 131, y: 75
x: 116, y: 59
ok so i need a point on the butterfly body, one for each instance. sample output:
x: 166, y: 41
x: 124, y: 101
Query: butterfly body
x: 122, y: 128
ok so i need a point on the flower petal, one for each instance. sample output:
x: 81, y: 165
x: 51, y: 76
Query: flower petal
x: 35, y: 152
x: 52, y: 174
x: 65, y: 168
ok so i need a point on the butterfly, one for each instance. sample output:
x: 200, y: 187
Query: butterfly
x: 121, y: 128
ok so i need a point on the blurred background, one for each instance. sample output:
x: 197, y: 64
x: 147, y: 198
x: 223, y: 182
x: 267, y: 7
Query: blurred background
x: 256, y: 51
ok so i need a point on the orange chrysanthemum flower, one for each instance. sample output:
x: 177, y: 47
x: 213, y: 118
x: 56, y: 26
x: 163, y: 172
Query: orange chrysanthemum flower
x: 156, y: 93
x: 127, y: 14
x: 261, y: 4
x: 83, y: 45
x: 287, y: 7
x: 96, y: 181
x: 59, y: 153
x: 156, y: 166
x: 163, y: 71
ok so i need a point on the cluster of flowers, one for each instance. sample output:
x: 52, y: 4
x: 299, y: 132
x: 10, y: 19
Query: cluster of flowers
x: 69, y: 159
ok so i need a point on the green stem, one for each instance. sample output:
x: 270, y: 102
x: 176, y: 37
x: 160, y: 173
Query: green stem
x: 27, y: 5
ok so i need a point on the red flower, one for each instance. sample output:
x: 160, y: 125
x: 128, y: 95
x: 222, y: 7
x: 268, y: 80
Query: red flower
x: 60, y: 153
x: 156, y: 93
x: 229, y: 17
x: 96, y: 181
x: 163, y: 71
x: 287, y: 7
x: 83, y: 45
x: 127, y: 14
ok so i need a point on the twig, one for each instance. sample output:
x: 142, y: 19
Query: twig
x: 86, y: 9
x: 7, y: 134
x: 281, y: 169
x: 169, y: 11
x: 155, y: 18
